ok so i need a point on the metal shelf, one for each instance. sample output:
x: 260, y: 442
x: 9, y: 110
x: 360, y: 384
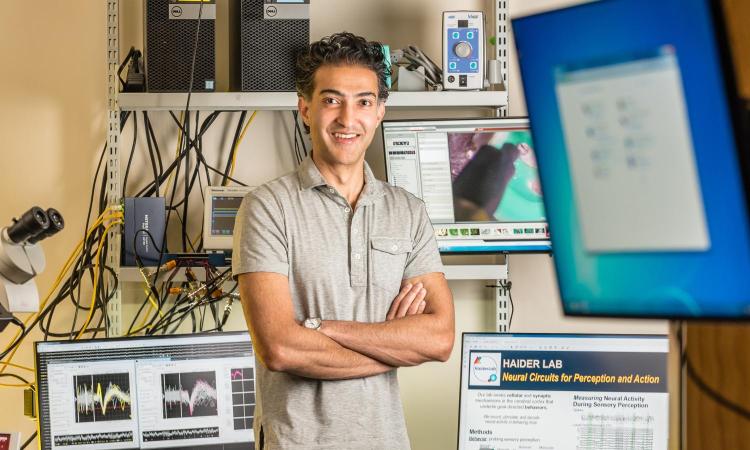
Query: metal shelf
x: 233, y: 101
x: 452, y: 272
x: 476, y: 272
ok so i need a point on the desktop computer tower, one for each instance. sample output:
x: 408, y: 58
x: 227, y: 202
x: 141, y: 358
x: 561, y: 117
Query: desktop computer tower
x: 265, y: 37
x: 169, y: 39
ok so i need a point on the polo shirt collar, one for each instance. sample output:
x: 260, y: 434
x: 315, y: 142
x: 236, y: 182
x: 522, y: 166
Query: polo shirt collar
x: 310, y: 177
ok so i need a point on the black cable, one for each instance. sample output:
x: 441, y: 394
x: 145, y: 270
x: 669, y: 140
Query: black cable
x: 232, y: 150
x: 194, y: 144
x: 183, y: 235
x: 150, y: 285
x: 84, y: 264
x: 86, y: 227
x: 102, y: 302
x: 175, y: 165
x: 17, y: 322
x: 130, y: 158
x: 508, y: 287
x: 151, y: 156
x: 301, y: 136
x: 210, y: 286
x: 130, y: 54
x: 714, y: 394
x: 297, y: 145
x: 28, y: 441
x: 150, y: 130
x: 17, y: 377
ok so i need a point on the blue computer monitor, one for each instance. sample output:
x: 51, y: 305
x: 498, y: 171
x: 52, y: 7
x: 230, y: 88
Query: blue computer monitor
x: 635, y: 117
x: 478, y: 179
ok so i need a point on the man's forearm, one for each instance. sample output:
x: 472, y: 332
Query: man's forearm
x: 308, y: 353
x: 283, y: 345
x: 407, y: 341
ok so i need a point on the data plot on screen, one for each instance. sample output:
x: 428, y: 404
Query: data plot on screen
x: 243, y: 398
x: 190, y: 394
x: 102, y: 397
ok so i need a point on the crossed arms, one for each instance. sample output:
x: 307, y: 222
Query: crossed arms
x: 419, y: 327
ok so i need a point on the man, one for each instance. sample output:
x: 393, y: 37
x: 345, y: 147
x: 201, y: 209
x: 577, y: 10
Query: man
x: 339, y: 273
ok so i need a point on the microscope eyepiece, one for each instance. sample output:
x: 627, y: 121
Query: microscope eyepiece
x: 56, y: 223
x: 32, y: 222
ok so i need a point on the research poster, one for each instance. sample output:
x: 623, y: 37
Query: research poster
x: 566, y: 393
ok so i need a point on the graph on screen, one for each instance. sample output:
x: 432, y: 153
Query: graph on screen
x: 189, y: 394
x: 102, y: 397
x: 243, y: 398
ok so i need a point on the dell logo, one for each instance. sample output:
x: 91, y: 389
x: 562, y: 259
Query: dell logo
x: 271, y: 11
x: 176, y: 11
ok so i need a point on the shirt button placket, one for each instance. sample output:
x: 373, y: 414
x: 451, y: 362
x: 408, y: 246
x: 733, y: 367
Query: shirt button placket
x: 358, y: 249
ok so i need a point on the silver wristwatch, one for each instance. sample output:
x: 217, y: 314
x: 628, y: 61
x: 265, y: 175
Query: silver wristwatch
x: 313, y: 323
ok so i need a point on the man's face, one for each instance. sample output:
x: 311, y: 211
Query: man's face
x: 342, y: 113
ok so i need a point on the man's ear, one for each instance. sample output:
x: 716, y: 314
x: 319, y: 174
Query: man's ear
x: 381, y: 110
x: 304, y: 109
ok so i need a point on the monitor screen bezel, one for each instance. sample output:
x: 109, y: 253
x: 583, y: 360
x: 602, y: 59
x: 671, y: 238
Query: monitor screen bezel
x: 739, y: 113
x: 544, y: 248
x: 543, y: 335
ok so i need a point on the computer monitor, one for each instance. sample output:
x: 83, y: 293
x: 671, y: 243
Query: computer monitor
x: 478, y: 179
x: 640, y: 154
x: 189, y: 392
x: 220, y: 207
x: 566, y: 391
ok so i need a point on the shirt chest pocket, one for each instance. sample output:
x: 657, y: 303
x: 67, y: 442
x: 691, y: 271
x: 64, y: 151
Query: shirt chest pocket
x: 388, y: 256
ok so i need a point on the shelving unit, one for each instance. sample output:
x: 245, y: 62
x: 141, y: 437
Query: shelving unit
x: 279, y: 101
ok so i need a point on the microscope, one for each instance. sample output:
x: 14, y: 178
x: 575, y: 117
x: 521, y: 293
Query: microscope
x: 22, y: 258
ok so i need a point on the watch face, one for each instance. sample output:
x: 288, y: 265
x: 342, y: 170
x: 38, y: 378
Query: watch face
x: 313, y: 323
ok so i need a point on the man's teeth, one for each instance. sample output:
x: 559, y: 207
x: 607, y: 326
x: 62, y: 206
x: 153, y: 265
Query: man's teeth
x: 344, y: 136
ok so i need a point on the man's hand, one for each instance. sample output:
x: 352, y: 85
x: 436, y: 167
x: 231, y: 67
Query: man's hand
x: 410, y: 339
x: 409, y: 301
x: 282, y: 345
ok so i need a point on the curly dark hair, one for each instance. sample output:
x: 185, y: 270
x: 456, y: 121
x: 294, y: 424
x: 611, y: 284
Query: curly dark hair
x: 340, y: 49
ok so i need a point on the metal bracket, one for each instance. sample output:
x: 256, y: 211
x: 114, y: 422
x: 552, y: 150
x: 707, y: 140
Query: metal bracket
x: 500, y: 15
x: 498, y: 273
x: 114, y: 305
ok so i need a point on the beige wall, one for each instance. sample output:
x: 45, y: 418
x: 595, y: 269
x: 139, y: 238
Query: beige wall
x: 52, y: 122
x: 52, y: 113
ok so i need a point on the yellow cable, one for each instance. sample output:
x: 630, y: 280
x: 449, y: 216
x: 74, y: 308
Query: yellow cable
x: 25, y: 385
x: 234, y: 150
x: 18, y: 366
x: 68, y: 264
x: 96, y: 278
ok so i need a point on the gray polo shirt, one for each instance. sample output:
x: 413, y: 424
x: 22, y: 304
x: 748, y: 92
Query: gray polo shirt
x: 342, y: 265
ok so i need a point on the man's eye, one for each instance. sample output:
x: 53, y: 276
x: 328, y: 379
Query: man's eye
x: 366, y: 103
x: 330, y: 101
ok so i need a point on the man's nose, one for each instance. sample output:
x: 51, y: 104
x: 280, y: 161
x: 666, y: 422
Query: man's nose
x: 346, y: 115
